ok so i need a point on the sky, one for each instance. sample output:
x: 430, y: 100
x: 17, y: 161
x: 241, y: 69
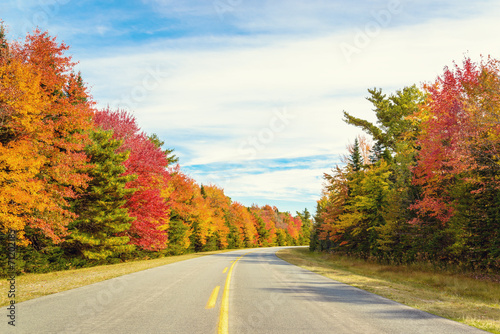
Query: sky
x: 251, y: 94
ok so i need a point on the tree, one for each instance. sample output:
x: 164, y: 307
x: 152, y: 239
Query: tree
x: 21, y: 103
x: 171, y: 158
x: 180, y: 193
x: 305, y: 233
x: 98, y: 232
x: 446, y: 129
x: 269, y: 218
x: 220, y: 205
x: 355, y: 161
x: 394, y: 123
x: 244, y: 232
x: 457, y: 166
x: 47, y: 119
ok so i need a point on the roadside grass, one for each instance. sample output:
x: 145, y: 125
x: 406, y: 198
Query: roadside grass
x: 31, y: 286
x: 459, y: 297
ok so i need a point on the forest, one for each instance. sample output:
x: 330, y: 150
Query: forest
x: 424, y: 185
x: 81, y: 186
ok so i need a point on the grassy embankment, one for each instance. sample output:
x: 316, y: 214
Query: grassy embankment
x: 31, y: 286
x: 474, y: 301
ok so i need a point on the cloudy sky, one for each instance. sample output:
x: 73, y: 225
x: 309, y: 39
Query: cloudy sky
x: 251, y: 93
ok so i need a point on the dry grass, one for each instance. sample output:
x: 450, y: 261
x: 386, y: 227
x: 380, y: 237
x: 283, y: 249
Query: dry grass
x: 475, y: 302
x: 31, y: 286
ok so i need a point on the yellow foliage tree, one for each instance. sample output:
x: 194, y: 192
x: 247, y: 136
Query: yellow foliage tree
x: 21, y: 103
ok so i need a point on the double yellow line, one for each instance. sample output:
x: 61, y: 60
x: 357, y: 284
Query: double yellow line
x: 224, y: 309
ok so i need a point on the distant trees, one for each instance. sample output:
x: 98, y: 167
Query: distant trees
x: 430, y: 190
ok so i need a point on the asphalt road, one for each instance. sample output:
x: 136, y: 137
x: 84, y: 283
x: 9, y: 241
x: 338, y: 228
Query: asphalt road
x: 258, y: 293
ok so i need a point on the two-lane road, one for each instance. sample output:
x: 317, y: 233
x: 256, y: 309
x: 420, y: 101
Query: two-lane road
x: 235, y: 292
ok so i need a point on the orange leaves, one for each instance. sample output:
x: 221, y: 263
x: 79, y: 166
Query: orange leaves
x: 47, y: 56
x: 42, y: 136
x: 245, y: 223
x: 219, y: 205
x: 20, y: 193
x: 181, y: 197
x: 20, y: 105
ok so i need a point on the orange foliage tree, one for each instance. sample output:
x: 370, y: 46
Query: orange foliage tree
x: 219, y: 204
x: 46, y: 112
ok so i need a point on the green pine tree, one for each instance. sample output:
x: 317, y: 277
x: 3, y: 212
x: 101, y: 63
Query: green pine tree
x: 171, y: 158
x: 305, y: 233
x: 95, y: 235
x: 355, y: 160
x: 262, y: 231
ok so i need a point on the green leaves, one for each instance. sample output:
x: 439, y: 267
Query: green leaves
x: 102, y: 218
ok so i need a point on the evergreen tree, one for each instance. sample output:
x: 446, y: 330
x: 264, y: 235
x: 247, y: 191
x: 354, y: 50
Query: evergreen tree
x: 172, y: 158
x: 178, y: 237
x: 355, y: 160
x: 262, y: 230
x: 305, y: 234
x: 377, y: 152
x: 394, y: 124
x: 4, y: 46
x: 96, y: 234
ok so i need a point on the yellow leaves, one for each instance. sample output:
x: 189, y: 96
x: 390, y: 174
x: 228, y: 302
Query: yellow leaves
x: 97, y: 256
x: 21, y: 103
x: 20, y: 92
x: 85, y: 239
x: 20, y: 193
x: 167, y: 190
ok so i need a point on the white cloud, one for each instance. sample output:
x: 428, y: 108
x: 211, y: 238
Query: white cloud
x: 229, y: 94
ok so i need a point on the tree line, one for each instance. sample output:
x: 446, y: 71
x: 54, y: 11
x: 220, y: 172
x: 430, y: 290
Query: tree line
x: 424, y: 186
x: 81, y: 186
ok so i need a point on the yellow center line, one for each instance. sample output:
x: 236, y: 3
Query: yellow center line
x: 213, y: 297
x: 224, y: 308
x: 224, y: 271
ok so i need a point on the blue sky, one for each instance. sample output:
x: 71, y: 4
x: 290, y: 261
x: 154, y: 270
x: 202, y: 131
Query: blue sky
x: 251, y: 93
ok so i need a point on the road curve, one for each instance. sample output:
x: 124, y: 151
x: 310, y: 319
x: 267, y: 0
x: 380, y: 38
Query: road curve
x: 235, y: 292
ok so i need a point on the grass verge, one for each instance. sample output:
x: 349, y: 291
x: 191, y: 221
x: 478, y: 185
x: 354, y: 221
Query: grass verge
x: 31, y: 286
x: 475, y: 302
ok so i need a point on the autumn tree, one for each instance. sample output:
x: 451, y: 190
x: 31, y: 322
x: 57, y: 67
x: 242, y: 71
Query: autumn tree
x: 457, y: 166
x: 243, y: 231
x: 220, y: 205
x: 269, y: 217
x: 46, y: 123
x: 180, y: 193
x: 21, y: 104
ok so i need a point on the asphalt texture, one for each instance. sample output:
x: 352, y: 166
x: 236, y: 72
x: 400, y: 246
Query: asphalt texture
x: 265, y: 295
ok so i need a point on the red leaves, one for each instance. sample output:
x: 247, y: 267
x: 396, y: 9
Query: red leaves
x: 453, y: 120
x: 148, y: 204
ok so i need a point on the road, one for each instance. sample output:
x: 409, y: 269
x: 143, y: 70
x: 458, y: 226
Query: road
x: 257, y: 293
